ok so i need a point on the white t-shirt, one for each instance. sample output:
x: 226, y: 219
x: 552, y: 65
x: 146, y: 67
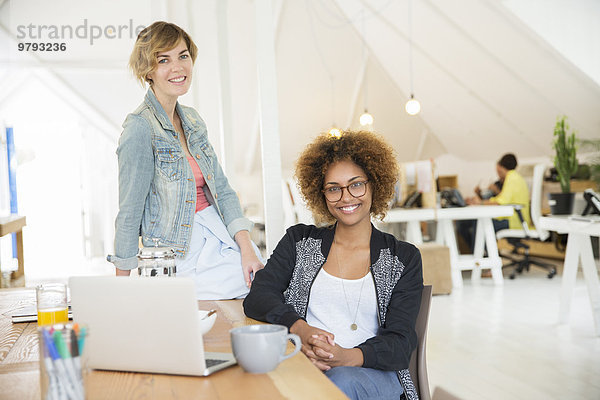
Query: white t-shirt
x: 329, y: 309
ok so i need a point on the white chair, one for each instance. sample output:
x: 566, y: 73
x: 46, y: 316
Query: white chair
x: 515, y: 236
x: 302, y: 214
x: 289, y: 213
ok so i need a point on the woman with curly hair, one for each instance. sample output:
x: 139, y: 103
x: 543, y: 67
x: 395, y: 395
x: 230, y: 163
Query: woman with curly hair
x: 351, y: 292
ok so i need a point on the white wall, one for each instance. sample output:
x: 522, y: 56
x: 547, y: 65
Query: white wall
x: 571, y: 27
x: 66, y: 182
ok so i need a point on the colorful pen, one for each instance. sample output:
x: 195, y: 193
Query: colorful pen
x: 61, y: 373
x: 65, y: 366
x: 81, y: 339
x: 75, y: 353
x: 53, y: 386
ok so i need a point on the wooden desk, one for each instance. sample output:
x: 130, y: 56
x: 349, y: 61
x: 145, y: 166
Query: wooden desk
x: 485, y: 237
x: 295, y: 378
x: 14, y: 224
x: 579, y: 247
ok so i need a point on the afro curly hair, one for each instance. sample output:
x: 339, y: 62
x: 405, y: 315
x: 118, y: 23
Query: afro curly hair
x: 366, y: 149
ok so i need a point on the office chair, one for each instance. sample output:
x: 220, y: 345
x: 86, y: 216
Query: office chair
x: 418, y: 364
x: 515, y: 236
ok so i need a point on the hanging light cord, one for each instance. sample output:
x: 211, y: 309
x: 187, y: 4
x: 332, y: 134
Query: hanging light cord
x: 365, y: 83
x: 410, y: 59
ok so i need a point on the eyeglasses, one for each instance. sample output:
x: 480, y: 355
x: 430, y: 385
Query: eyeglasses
x: 356, y: 189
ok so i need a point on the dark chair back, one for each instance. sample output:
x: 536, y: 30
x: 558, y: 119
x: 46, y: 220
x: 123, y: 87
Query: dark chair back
x: 418, y: 362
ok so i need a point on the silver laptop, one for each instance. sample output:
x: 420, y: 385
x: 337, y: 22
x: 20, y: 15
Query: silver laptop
x: 143, y: 325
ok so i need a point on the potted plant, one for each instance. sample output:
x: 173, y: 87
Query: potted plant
x: 566, y: 164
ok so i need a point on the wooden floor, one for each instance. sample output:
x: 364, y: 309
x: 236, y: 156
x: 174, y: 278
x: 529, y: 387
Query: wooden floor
x: 487, y: 342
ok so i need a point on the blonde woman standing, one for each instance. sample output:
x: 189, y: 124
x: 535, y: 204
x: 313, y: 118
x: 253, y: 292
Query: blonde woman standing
x: 171, y: 186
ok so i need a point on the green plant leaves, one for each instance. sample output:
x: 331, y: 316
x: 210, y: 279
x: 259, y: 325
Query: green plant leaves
x: 565, y: 146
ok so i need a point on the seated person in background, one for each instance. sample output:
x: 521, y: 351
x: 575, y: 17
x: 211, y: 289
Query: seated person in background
x: 351, y: 292
x: 514, y: 191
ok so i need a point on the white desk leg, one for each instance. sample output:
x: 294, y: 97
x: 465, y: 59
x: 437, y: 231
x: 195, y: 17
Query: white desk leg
x: 439, y: 233
x: 478, y: 251
x: 450, y: 241
x: 492, y: 250
x: 590, y: 274
x: 413, y: 232
x: 569, y: 276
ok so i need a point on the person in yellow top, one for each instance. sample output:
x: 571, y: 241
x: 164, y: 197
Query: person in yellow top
x: 514, y: 191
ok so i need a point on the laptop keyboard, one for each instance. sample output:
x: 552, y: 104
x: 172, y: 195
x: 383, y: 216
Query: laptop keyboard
x: 210, y: 362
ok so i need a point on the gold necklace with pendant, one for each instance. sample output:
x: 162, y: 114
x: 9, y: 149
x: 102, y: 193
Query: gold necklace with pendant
x: 353, y: 326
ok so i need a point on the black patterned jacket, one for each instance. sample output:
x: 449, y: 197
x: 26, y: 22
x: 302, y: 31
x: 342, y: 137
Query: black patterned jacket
x: 280, y: 292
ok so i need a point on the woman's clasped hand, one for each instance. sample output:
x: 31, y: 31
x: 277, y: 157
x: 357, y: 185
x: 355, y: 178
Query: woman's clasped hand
x: 320, y: 347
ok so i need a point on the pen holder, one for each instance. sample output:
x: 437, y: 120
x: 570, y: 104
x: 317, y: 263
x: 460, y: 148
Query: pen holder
x: 62, y: 367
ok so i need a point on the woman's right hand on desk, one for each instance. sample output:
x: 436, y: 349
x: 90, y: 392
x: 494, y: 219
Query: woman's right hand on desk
x: 307, y: 332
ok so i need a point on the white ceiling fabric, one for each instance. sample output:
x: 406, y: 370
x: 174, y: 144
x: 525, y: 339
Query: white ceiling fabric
x: 487, y: 82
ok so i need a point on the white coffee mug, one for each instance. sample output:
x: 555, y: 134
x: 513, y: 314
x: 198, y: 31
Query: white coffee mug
x: 260, y: 348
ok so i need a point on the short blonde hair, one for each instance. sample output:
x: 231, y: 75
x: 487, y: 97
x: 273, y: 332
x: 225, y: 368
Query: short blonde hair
x: 154, y: 39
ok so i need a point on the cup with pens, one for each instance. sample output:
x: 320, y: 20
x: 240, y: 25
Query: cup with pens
x: 61, y: 368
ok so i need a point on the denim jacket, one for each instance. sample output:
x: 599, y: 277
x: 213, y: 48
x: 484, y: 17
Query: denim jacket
x: 157, y: 190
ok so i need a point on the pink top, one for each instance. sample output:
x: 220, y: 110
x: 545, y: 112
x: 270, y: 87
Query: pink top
x: 201, y: 201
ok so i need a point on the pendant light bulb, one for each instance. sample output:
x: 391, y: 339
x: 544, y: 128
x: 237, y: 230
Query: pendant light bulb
x: 366, y: 119
x: 413, y: 106
x: 335, y: 132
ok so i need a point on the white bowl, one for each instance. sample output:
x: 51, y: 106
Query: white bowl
x: 207, y: 323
